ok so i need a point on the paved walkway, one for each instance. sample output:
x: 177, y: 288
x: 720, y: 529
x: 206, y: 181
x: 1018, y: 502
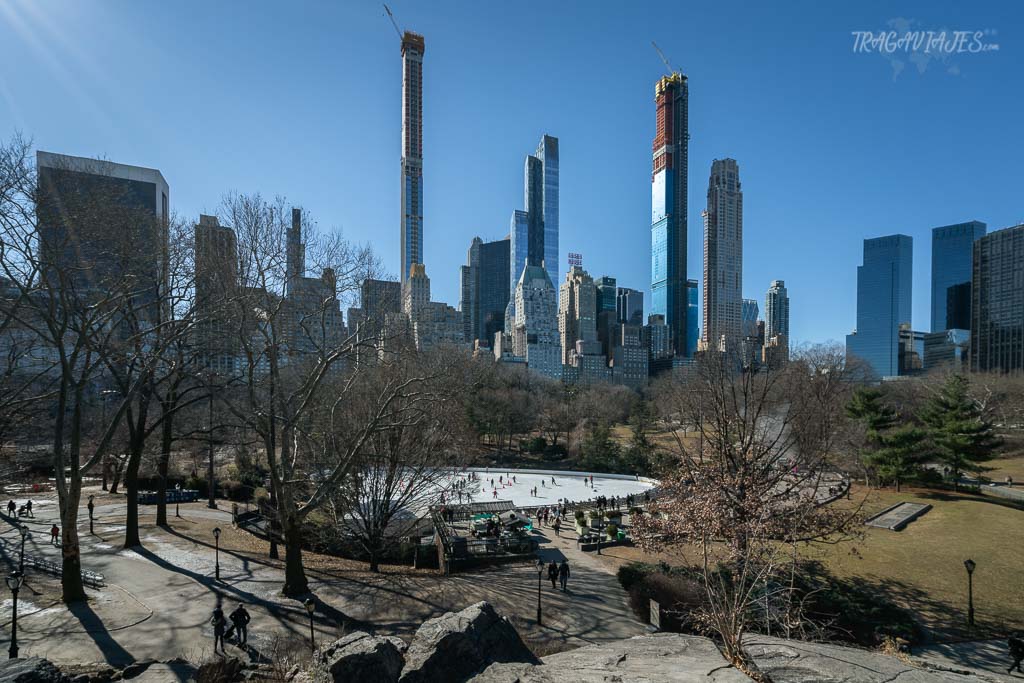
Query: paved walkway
x: 991, y: 656
x: 159, y: 597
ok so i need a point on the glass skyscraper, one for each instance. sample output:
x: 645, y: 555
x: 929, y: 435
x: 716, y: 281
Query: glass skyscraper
x: 668, y: 210
x: 723, y: 257
x: 997, y: 302
x: 534, y: 232
x: 951, y: 264
x: 485, y: 290
x: 692, y: 306
x: 884, y: 291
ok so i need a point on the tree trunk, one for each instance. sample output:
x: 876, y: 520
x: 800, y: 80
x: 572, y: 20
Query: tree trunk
x: 897, y: 484
x: 115, y: 480
x: 69, y: 496
x: 131, y: 482
x: 295, y: 583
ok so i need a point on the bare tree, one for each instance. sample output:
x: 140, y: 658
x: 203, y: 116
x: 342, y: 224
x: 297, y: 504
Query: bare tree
x: 408, y: 463
x: 749, y: 491
x: 73, y: 286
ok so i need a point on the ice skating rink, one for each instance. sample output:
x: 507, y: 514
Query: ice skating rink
x: 551, y: 487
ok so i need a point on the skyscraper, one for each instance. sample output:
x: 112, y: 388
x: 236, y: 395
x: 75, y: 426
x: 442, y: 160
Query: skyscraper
x: 535, y: 336
x: 692, y: 314
x: 100, y: 221
x: 577, y: 314
x: 723, y: 256
x: 776, y: 310
x: 485, y: 290
x: 534, y: 232
x: 884, y: 291
x: 668, y: 208
x: 413, y: 47
x: 216, y: 283
x: 607, y: 291
x: 750, y: 313
x: 295, y: 252
x: 952, y: 246
x: 997, y: 302
x: 629, y: 306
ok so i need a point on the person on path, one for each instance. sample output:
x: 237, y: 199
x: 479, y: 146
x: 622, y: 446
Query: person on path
x: 1016, y: 652
x: 557, y: 525
x: 28, y: 508
x: 563, y: 574
x: 239, y: 623
x: 553, y: 574
x: 219, y: 623
x: 11, y: 507
x: 54, y: 533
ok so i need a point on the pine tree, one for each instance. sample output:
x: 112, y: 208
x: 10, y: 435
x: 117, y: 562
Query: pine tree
x: 900, y: 455
x: 868, y: 407
x: 963, y: 439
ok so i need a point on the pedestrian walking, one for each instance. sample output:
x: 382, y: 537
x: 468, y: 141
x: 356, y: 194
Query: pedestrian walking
x: 11, y: 507
x: 1016, y: 652
x: 553, y: 574
x: 28, y: 508
x: 557, y: 525
x: 563, y: 574
x: 54, y: 533
x: 239, y: 624
x: 219, y: 623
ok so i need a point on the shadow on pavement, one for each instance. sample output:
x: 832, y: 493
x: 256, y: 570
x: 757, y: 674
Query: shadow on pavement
x: 114, y: 654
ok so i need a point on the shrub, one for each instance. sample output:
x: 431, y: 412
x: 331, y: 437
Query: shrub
x: 260, y: 496
x: 580, y: 516
x: 677, y: 595
x: 611, y: 530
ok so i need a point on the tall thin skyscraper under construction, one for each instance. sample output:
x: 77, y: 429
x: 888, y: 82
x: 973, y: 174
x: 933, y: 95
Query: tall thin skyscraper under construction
x: 668, y: 209
x: 413, y: 47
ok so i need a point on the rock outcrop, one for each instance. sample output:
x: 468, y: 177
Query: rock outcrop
x: 685, y: 659
x: 359, y: 657
x: 458, y: 645
x: 31, y: 670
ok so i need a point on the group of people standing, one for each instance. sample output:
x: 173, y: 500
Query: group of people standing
x: 239, y: 619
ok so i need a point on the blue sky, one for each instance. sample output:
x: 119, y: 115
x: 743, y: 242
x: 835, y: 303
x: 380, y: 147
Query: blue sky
x: 302, y: 99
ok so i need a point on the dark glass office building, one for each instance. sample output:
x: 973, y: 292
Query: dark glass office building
x: 485, y: 290
x: 884, y: 290
x: 997, y: 302
x: 951, y: 265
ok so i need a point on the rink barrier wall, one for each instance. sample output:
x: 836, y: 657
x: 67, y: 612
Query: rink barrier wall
x: 565, y: 473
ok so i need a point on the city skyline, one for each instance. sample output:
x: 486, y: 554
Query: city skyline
x: 291, y: 169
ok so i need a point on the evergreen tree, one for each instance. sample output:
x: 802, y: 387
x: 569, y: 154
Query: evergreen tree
x: 868, y: 407
x: 962, y: 438
x: 601, y: 453
x: 900, y: 455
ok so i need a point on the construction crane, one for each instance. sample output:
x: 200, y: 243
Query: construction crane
x: 393, y: 22
x: 668, y: 67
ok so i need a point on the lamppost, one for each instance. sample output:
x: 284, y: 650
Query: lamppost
x: 970, y: 565
x: 540, y: 574
x: 310, y: 607
x: 177, y: 500
x: 14, y: 583
x: 216, y: 563
x: 91, y: 506
x: 21, y: 561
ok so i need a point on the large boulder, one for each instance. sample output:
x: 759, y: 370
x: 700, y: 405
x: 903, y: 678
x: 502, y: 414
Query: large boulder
x: 458, y: 645
x: 30, y: 670
x: 359, y: 657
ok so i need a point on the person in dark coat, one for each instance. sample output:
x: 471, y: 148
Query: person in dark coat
x: 11, y: 507
x: 563, y: 574
x: 553, y: 574
x: 28, y: 507
x: 239, y: 624
x: 1016, y: 652
x: 219, y: 623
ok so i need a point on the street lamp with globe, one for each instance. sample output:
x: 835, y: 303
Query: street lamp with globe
x: 216, y: 564
x: 14, y: 582
x: 310, y: 608
x: 25, y: 535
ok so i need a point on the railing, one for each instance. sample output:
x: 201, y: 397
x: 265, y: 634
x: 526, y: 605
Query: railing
x: 91, y: 579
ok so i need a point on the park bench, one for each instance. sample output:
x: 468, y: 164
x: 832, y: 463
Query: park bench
x: 89, y: 578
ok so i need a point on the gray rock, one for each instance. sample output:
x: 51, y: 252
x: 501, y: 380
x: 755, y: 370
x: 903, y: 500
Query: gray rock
x: 644, y: 659
x: 30, y: 670
x: 458, y: 645
x: 789, y: 661
x: 359, y: 657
